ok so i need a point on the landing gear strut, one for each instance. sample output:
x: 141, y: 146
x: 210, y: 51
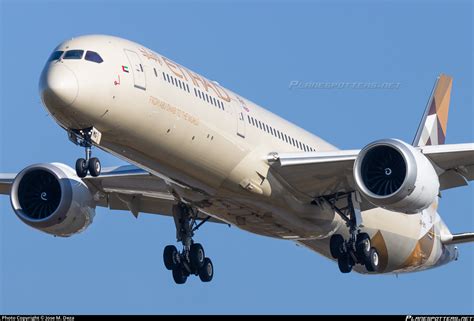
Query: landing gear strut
x: 191, y: 259
x: 85, y: 138
x: 358, y: 248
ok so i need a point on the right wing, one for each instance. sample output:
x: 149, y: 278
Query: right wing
x: 125, y: 188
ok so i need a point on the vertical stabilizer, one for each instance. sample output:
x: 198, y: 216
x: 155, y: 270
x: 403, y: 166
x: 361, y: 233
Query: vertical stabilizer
x: 432, y: 128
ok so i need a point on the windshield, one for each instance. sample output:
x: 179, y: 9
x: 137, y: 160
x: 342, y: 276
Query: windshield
x: 55, y: 55
x: 73, y: 54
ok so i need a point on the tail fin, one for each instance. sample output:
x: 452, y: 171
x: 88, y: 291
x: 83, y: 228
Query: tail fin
x: 432, y: 128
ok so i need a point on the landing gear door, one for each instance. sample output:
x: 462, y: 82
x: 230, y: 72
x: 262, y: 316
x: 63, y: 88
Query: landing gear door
x: 137, y: 69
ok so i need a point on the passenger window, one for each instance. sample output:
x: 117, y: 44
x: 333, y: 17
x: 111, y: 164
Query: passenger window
x: 93, y: 56
x: 55, y: 55
x: 73, y: 54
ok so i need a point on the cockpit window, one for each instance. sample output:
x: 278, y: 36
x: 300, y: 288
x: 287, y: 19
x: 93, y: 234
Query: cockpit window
x: 93, y: 56
x: 55, y: 55
x: 73, y: 54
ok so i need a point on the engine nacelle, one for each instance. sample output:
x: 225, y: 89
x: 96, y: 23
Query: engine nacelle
x: 394, y: 175
x: 52, y: 199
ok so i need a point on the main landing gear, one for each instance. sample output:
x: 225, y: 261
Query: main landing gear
x: 358, y: 248
x: 85, y: 138
x: 191, y: 259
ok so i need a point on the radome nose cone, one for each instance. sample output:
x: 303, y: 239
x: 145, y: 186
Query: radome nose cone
x: 59, y: 86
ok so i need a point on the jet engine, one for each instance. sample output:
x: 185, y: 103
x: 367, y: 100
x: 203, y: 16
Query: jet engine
x: 394, y: 175
x: 52, y: 199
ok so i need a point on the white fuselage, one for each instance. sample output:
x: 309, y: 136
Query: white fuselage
x: 213, y: 144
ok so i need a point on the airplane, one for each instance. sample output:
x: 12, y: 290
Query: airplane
x: 198, y: 152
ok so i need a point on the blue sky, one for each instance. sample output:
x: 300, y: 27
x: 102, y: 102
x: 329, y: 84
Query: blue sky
x: 256, y: 49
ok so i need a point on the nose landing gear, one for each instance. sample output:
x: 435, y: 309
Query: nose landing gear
x: 358, y: 248
x: 85, y: 138
x: 192, y: 259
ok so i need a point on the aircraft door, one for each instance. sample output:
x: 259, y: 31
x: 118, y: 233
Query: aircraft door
x: 137, y: 69
x: 239, y: 111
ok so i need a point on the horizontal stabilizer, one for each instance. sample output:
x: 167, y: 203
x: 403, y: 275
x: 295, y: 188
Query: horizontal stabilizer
x: 460, y: 238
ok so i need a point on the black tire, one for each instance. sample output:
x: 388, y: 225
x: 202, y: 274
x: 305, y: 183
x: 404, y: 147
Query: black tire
x: 81, y: 168
x: 363, y: 246
x: 372, y: 264
x: 170, y: 255
x: 179, y: 275
x: 94, y: 166
x: 345, y: 263
x: 206, y: 272
x: 335, y: 245
x: 197, y: 256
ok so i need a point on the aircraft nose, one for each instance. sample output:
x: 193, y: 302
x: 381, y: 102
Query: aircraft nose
x: 58, y: 86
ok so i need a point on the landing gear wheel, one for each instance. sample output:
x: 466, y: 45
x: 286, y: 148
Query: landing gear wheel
x: 94, y: 166
x: 373, y: 262
x: 206, y: 272
x: 86, y: 138
x: 196, y: 256
x: 81, y: 167
x: 335, y: 245
x: 170, y: 257
x: 345, y: 263
x: 363, y: 246
x: 179, y: 275
x: 191, y: 260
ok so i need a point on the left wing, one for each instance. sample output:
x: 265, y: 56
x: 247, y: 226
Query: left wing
x: 325, y: 173
x: 316, y: 173
x: 455, y: 163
